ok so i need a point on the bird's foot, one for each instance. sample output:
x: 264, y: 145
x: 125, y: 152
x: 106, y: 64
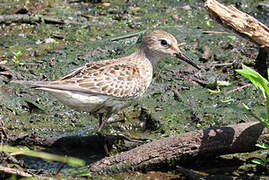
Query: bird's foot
x: 123, y: 137
x: 132, y: 139
x: 106, y: 138
x: 127, y: 143
x: 105, y: 142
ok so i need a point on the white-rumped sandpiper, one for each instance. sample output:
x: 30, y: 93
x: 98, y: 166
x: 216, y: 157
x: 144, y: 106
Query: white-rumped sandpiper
x: 107, y: 86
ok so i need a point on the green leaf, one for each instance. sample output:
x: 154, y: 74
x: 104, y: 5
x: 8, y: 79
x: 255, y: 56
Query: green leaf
x: 256, y: 79
x: 263, y: 146
x: 257, y: 161
x: 263, y: 115
x: 227, y: 100
x: 81, y: 173
x: 47, y: 156
x: 264, y: 159
x: 223, y: 83
x: 18, y: 54
x: 231, y: 37
x: 246, y: 107
x: 266, y: 123
x: 38, y: 16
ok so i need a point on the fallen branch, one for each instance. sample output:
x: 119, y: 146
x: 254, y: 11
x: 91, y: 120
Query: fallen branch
x: 246, y: 26
x: 24, y: 18
x: 16, y: 172
x: 156, y: 155
x: 238, y: 88
x: 240, y: 22
x: 127, y: 36
x: 183, y: 148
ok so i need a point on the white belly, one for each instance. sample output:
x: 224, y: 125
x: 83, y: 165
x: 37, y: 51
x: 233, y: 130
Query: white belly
x: 88, y: 102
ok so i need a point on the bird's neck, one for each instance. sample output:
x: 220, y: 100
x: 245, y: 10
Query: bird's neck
x: 149, y: 56
x: 146, y: 67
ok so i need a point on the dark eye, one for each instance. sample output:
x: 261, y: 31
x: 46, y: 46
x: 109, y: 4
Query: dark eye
x: 164, y: 42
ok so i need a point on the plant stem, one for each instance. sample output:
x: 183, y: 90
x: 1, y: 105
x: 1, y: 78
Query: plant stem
x: 267, y: 107
x: 257, y: 117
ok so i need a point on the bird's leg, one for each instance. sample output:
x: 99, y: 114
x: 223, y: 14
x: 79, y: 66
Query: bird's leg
x: 102, y: 122
x: 104, y: 137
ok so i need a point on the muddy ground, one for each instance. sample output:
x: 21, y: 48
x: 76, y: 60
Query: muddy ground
x: 180, y: 99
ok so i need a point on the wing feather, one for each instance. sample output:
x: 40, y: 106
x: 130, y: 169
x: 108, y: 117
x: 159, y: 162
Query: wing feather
x: 114, y: 78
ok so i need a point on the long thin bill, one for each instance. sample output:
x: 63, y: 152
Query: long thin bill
x: 181, y: 56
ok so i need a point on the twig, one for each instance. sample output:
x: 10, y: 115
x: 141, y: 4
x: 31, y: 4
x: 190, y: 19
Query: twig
x: 32, y: 64
x: 86, y: 16
x: 59, y: 168
x: 251, y: 113
x: 14, y: 171
x: 214, y: 32
x: 24, y: 18
x: 238, y: 88
x: 127, y: 36
x: 3, y: 134
x: 222, y: 64
x: 50, y: 20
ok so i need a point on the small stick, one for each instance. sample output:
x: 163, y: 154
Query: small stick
x: 14, y: 171
x: 238, y: 88
x: 214, y: 32
x: 22, y: 18
x: 127, y: 36
x: 223, y: 64
x: 59, y: 168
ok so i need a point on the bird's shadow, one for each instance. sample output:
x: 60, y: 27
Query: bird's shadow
x: 88, y: 148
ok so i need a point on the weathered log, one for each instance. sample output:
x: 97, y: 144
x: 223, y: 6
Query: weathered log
x: 179, y: 149
x: 246, y: 26
x: 240, y: 22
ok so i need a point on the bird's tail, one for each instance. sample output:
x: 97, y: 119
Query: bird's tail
x: 48, y: 85
x: 33, y: 84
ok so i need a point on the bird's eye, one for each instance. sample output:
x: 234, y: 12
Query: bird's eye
x: 164, y: 42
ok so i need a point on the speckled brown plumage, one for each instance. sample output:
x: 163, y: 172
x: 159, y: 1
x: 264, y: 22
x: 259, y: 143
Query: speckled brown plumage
x: 107, y: 86
x: 114, y: 77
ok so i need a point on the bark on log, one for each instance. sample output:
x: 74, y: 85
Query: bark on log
x: 240, y: 22
x: 184, y: 148
x: 246, y: 26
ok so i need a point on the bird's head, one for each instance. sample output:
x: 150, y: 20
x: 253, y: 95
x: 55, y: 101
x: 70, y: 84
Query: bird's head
x: 159, y: 44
